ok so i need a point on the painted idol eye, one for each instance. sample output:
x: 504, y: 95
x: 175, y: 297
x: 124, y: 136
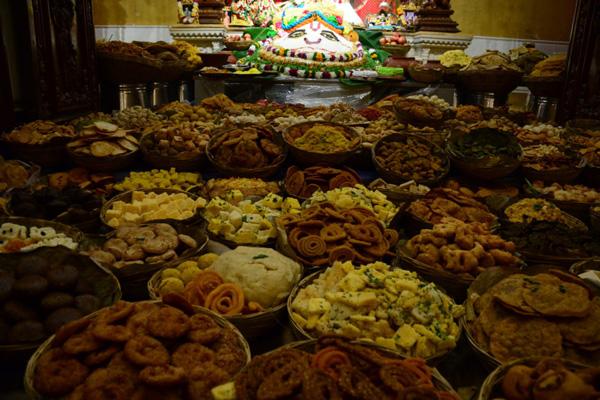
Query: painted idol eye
x: 297, y: 34
x: 329, y: 36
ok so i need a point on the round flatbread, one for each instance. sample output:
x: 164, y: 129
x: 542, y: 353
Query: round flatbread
x: 509, y: 292
x: 491, y: 316
x: 583, y: 331
x: 518, y: 337
x: 557, y: 299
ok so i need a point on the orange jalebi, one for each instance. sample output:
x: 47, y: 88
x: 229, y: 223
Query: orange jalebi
x: 329, y: 359
x: 226, y: 299
x: 198, y: 289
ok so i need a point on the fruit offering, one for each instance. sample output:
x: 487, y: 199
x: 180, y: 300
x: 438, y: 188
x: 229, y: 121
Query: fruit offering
x: 250, y: 147
x: 394, y: 40
x: 150, y: 206
x: 16, y: 238
x: 146, y: 244
x: 39, y: 132
x: 356, y: 197
x: 158, y: 178
x: 182, y: 141
x: 550, y: 314
x: 221, y: 187
x: 375, y: 302
x: 103, y: 139
x: 42, y: 290
x: 341, y: 370
x: 244, y: 221
x: 303, y: 183
x: 460, y: 248
x: 140, y: 351
x: 320, y: 235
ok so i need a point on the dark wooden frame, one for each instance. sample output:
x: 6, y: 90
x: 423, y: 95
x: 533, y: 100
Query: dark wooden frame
x: 7, y: 107
x: 578, y: 99
x: 63, y: 57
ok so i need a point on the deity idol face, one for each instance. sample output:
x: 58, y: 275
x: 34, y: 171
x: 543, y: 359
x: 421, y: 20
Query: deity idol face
x: 315, y: 36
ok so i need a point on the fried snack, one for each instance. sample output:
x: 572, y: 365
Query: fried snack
x: 529, y: 210
x: 323, y: 235
x: 39, y: 132
x: 143, y: 244
x: 244, y: 221
x: 158, y: 178
x: 103, y: 139
x: 182, y: 141
x: 322, y: 138
x: 226, y: 299
x: 517, y: 337
x: 411, y: 158
x: 418, y: 111
x: 469, y: 114
x: 303, y: 183
x: 249, y: 147
x: 540, y: 133
x: 357, y: 197
x: 290, y: 373
x: 202, y: 284
x: 574, y: 193
x: 151, y: 206
x: 14, y: 174
x: 445, y: 202
x: 550, y: 379
x: 79, y: 365
x: 548, y: 314
x: 364, y: 294
x: 247, y: 186
x: 460, y: 248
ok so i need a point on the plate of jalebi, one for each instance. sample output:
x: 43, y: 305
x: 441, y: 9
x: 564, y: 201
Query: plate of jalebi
x: 335, y: 368
x: 248, y: 285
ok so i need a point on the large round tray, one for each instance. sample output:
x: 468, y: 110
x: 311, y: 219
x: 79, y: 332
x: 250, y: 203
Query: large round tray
x: 307, y: 157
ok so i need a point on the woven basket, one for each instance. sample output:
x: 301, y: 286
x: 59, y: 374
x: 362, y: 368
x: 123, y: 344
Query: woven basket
x: 104, y: 164
x: 394, y: 177
x: 565, y: 174
x: 252, y: 326
x: 494, y: 81
x: 51, y: 154
x: 31, y: 365
x: 118, y: 68
x: 166, y: 162
x: 301, y: 334
x: 592, y: 264
x: 310, y: 345
x: 106, y: 286
x: 594, y: 220
x: 544, y: 87
x: 485, y: 169
x: 490, y: 389
x: 34, y: 174
x: 425, y: 75
x: 307, y: 157
x: 126, y: 197
x: 239, y: 45
x: 262, y: 172
x: 399, y: 50
x: 134, y: 278
x: 70, y: 231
